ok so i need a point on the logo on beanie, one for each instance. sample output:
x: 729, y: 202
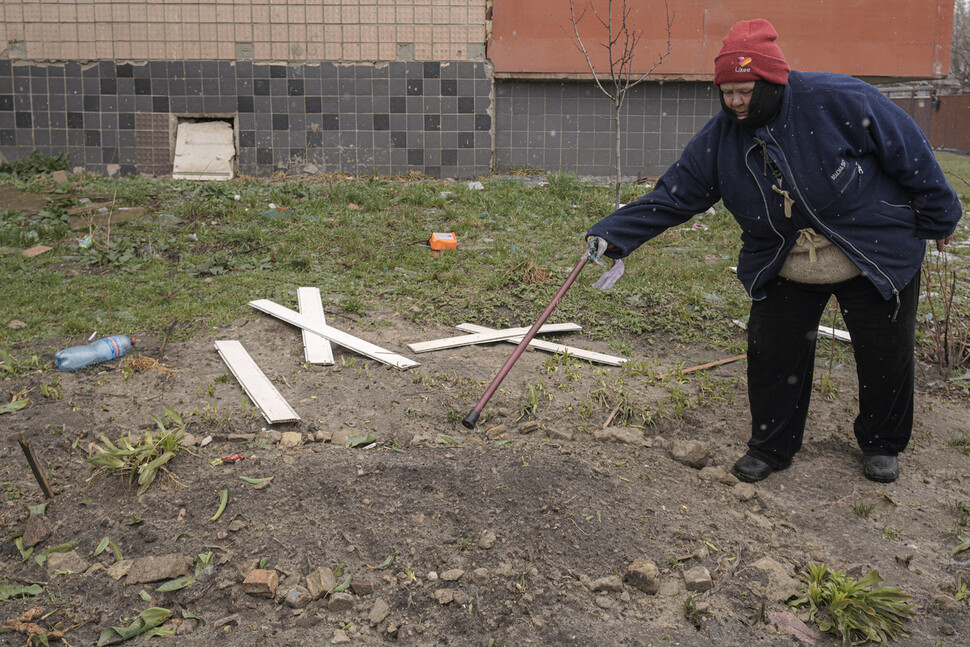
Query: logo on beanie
x: 744, y: 63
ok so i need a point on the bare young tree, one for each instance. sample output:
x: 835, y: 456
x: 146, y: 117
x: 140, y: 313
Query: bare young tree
x: 960, y: 47
x: 622, y: 42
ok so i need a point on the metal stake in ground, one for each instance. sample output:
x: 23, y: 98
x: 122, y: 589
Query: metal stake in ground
x: 473, y: 415
x: 35, y: 467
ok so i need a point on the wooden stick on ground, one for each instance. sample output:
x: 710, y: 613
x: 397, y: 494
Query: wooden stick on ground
x: 35, y: 468
x: 700, y: 367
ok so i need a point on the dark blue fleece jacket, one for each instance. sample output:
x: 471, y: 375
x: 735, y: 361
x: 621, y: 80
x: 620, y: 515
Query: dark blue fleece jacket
x: 858, y: 168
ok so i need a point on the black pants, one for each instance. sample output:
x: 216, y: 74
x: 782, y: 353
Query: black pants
x: 782, y: 333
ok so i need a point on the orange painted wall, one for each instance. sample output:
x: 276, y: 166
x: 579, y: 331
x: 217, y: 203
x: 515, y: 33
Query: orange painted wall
x: 866, y: 38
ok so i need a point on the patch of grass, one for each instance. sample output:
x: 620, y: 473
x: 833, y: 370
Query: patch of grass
x: 960, y: 441
x: 855, y: 610
x: 203, y: 251
x: 864, y: 508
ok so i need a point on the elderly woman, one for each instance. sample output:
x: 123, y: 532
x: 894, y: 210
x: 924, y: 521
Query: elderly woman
x: 836, y: 191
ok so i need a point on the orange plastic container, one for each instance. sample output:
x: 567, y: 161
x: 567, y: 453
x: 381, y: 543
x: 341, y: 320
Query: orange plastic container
x: 441, y: 240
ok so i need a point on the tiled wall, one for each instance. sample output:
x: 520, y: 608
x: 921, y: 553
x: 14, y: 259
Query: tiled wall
x: 568, y: 125
x: 392, y: 118
x: 260, y: 30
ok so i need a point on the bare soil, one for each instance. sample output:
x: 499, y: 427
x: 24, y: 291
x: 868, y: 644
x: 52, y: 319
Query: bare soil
x: 565, y: 509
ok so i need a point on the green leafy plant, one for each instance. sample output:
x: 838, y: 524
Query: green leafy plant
x: 141, y: 459
x: 36, y: 162
x: 855, y: 610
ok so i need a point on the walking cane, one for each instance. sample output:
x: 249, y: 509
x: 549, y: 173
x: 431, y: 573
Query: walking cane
x: 473, y: 415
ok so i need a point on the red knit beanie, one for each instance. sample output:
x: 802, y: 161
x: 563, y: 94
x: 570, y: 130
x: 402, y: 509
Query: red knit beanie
x: 750, y: 53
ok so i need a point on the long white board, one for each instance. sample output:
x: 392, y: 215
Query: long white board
x: 551, y: 347
x: 338, y: 337
x: 486, y: 337
x: 316, y: 349
x: 257, y: 386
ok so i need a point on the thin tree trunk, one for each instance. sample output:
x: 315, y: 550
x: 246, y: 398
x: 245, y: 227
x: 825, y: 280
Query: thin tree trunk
x: 617, y: 103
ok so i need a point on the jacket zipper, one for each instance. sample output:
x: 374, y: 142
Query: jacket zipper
x: 764, y: 200
x: 816, y: 220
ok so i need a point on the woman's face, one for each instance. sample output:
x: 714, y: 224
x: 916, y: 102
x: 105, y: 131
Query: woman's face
x: 737, y: 97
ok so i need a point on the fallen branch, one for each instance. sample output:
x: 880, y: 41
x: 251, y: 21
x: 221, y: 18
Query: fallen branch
x: 700, y: 367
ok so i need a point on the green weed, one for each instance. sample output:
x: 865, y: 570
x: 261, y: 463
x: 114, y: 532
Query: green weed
x: 855, y: 610
x: 864, y: 508
x: 141, y: 459
x: 961, y: 442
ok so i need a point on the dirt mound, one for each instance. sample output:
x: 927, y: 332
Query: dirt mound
x: 520, y: 532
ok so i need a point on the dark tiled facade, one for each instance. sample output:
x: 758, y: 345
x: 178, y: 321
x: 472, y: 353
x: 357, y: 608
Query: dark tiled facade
x: 429, y: 117
x: 393, y: 118
x: 568, y: 126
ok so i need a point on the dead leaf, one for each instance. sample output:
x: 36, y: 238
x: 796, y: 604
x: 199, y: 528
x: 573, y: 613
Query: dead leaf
x: 789, y: 623
x: 35, y: 251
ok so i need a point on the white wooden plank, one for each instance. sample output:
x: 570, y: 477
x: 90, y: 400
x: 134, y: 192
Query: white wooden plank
x: 259, y: 389
x: 316, y: 349
x: 823, y: 331
x: 486, y: 337
x: 338, y: 337
x: 581, y: 353
x: 835, y: 333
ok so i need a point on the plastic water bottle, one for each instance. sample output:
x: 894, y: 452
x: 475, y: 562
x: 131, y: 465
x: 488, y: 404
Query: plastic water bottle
x: 75, y: 357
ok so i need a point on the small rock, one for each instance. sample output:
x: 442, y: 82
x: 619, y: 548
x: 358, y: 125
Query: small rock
x: 760, y: 521
x: 188, y: 440
x: 341, y: 437
x: 320, y: 581
x: 487, y: 540
x: 340, y: 636
x: 781, y: 587
x: 35, y: 531
x: 444, y: 596
x: 323, y: 436
x: 268, y: 437
x: 698, y: 579
x: 495, y: 432
x: 611, y: 583
x: 559, y: 434
x: 947, y: 603
x: 528, y: 427
x: 644, y: 575
x: 378, y: 612
x: 236, y: 525
x: 290, y: 439
x: 261, y: 582
x: 694, y: 453
x: 744, y: 491
x: 480, y: 576
x: 717, y: 475
x: 119, y: 569
x: 604, y: 602
x: 155, y: 568
x: 297, y: 597
x: 625, y: 435
x: 341, y: 602
x: 432, y: 576
x: 452, y: 575
x: 362, y: 587
x: 16, y: 324
x: 69, y: 561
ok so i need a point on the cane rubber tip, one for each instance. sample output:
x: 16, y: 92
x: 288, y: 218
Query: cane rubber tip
x: 471, y: 419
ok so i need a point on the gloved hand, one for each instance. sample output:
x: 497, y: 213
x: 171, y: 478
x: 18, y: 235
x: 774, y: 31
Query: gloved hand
x: 597, y: 247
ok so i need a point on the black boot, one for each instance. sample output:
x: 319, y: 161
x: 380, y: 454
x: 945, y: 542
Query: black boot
x: 751, y: 469
x: 883, y: 469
